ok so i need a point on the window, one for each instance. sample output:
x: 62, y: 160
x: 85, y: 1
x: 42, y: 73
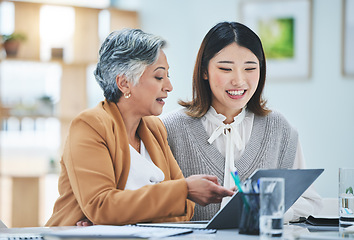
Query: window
x: 56, y: 31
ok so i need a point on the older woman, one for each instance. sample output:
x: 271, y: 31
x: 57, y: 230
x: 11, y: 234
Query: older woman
x: 117, y: 167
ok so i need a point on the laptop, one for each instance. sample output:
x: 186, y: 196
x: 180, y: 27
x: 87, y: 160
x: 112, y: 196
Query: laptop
x: 228, y: 217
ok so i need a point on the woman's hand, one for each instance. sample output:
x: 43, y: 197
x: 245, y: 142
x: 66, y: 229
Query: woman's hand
x: 84, y: 223
x: 205, y: 189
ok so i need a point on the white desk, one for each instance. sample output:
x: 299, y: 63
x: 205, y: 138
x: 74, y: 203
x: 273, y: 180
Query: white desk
x: 290, y: 233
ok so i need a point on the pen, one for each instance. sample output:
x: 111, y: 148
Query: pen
x: 236, y: 178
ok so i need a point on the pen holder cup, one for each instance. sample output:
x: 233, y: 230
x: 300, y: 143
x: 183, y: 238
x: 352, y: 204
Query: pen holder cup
x: 249, y: 223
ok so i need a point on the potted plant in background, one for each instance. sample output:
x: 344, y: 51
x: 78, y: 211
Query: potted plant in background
x: 11, y: 43
x: 45, y: 105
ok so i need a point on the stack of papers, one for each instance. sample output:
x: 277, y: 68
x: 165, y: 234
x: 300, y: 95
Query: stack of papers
x: 107, y: 231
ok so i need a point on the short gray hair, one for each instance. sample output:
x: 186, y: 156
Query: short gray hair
x: 126, y: 52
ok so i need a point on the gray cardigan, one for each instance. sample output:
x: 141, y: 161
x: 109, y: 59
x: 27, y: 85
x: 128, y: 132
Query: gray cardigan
x: 272, y: 144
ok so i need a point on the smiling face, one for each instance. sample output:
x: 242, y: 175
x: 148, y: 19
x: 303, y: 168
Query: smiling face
x: 149, y: 94
x: 233, y: 75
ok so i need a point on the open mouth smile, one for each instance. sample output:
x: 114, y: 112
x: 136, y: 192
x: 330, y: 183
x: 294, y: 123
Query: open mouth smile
x: 160, y: 100
x: 236, y: 92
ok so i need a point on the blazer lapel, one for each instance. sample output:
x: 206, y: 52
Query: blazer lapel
x: 122, y: 144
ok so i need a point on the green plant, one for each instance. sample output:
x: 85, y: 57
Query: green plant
x: 45, y: 98
x: 14, y: 36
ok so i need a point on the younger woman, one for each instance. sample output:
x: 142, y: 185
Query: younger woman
x: 227, y: 124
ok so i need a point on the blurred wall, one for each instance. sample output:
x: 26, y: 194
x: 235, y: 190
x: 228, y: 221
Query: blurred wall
x: 321, y: 108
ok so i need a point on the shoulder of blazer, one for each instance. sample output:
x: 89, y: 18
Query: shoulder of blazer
x: 94, y: 116
x: 99, y: 119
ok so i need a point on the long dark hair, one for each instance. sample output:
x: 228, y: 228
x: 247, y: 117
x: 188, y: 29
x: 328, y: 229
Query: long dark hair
x: 220, y: 36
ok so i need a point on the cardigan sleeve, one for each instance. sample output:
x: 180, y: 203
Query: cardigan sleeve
x: 95, y: 170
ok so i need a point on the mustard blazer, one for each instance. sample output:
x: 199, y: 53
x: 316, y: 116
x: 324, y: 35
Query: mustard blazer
x: 95, y: 167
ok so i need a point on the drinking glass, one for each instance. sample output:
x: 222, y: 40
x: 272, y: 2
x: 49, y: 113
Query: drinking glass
x: 271, y: 212
x: 346, y: 198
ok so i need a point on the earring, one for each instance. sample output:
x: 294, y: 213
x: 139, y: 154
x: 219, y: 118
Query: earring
x: 127, y: 95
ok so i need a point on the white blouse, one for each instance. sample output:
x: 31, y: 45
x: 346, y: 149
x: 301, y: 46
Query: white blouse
x: 142, y: 169
x: 231, y: 139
